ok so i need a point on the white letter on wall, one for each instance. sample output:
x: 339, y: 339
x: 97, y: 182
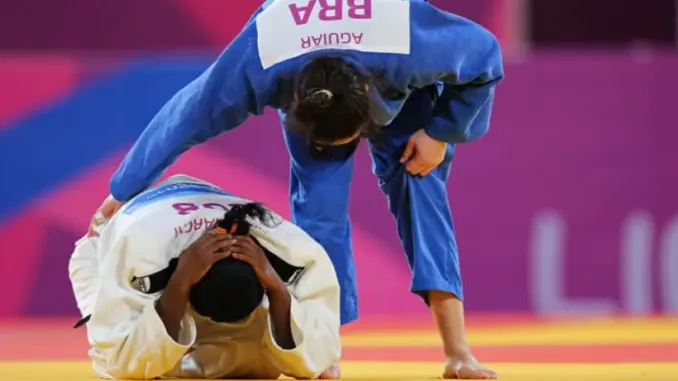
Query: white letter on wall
x: 547, y: 266
x: 669, y: 266
x: 636, y: 263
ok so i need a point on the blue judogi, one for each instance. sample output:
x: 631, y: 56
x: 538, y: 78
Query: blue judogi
x: 443, y: 80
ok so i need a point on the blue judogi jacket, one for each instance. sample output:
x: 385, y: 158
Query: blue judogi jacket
x: 461, y: 57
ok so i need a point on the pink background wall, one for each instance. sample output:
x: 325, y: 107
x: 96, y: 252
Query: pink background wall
x: 567, y: 206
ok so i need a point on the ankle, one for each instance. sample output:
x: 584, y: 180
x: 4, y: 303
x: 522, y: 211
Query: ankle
x: 459, y: 354
x: 455, y: 345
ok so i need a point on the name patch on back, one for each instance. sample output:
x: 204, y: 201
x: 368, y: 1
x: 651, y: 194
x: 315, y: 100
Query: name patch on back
x: 171, y: 190
x: 289, y: 28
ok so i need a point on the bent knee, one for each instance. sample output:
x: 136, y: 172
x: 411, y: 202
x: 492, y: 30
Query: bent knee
x: 397, y: 178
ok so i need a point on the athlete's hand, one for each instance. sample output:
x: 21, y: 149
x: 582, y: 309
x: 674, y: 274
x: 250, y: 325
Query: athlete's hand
x: 422, y: 153
x: 107, y: 209
x: 196, y: 261
x: 245, y: 249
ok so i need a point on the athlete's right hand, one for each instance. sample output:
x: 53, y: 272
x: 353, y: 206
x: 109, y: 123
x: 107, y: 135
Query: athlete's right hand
x: 195, y: 261
x: 107, y: 209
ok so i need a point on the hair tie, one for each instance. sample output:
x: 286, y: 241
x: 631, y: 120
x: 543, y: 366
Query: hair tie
x: 322, y: 97
x: 328, y: 94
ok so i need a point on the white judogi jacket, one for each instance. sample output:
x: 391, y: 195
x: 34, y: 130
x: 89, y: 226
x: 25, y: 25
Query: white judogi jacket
x: 127, y: 337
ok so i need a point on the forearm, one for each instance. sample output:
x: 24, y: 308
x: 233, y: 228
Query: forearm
x: 156, y: 149
x: 171, y: 306
x: 184, y: 121
x: 280, y: 306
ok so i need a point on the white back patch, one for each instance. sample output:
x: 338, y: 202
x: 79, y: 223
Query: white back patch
x: 290, y: 28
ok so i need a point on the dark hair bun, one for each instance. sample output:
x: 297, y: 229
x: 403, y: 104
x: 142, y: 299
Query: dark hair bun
x: 314, y: 106
x: 322, y: 97
x: 332, y: 104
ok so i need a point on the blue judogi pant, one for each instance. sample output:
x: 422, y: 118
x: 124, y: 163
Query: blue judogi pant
x: 319, y: 191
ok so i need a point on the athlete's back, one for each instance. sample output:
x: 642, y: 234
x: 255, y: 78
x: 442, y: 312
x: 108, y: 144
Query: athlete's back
x: 175, y: 213
x: 115, y: 282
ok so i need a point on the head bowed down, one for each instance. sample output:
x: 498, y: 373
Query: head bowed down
x: 332, y: 103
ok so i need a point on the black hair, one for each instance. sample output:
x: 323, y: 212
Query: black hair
x: 333, y: 103
x: 236, y: 218
x: 231, y: 291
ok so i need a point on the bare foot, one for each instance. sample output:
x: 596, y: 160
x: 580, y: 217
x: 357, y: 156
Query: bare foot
x: 333, y: 372
x: 467, y: 368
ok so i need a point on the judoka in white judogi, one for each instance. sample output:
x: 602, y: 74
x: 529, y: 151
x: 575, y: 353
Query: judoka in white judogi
x: 119, y: 279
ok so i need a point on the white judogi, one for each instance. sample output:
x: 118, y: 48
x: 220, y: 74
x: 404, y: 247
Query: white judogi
x: 127, y: 337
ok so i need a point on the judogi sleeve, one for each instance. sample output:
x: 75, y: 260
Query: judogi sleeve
x: 220, y: 99
x: 314, y: 312
x: 127, y: 336
x: 464, y: 56
x: 83, y: 271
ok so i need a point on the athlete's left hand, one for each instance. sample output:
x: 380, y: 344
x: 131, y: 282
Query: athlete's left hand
x: 245, y: 249
x: 422, y: 153
x: 108, y: 208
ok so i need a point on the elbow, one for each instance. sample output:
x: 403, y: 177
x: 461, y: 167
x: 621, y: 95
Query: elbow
x: 496, y: 58
x: 333, y: 358
x: 469, y: 136
x: 136, y: 362
x: 335, y: 340
x: 140, y: 371
x: 111, y: 368
x: 139, y: 349
x: 332, y: 355
x: 123, y: 375
x: 132, y: 376
x: 120, y: 361
x: 317, y: 354
x: 462, y: 139
x: 448, y: 132
x: 490, y: 56
x: 336, y: 350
